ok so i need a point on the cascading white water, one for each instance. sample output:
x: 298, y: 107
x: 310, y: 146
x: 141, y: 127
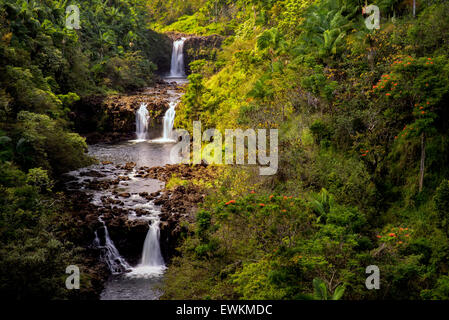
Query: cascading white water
x: 169, y: 120
x: 152, y: 263
x: 177, y: 59
x: 110, y: 254
x: 151, y: 253
x: 96, y: 240
x: 142, y: 117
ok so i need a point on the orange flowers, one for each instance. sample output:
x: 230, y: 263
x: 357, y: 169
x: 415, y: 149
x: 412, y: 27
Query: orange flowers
x: 229, y: 202
x: 252, y: 191
x: 388, y: 94
x: 262, y: 204
x: 394, y: 236
x: 271, y: 197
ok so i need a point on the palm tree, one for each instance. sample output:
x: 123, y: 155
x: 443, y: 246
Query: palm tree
x: 326, y: 27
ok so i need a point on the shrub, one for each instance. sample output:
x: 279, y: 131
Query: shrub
x: 39, y: 178
x: 441, y: 201
x: 44, y: 143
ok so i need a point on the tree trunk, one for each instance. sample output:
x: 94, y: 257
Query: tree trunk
x: 423, y: 160
x: 216, y: 10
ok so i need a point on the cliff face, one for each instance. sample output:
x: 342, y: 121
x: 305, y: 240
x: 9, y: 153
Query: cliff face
x: 198, y: 47
x: 112, y: 118
x: 205, y: 47
x: 160, y: 53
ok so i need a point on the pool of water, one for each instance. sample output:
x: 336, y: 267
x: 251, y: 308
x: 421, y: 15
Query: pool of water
x: 123, y: 287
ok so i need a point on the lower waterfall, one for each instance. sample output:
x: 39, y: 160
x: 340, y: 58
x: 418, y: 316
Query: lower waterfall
x: 142, y: 116
x: 152, y: 262
x: 151, y: 254
x: 110, y: 255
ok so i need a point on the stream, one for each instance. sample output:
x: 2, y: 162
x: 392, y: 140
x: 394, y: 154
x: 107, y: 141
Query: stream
x: 141, y: 280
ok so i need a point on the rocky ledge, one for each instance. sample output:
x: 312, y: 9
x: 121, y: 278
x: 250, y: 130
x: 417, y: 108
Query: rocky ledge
x: 110, y: 119
x: 201, y: 47
x: 177, y: 204
x: 198, y: 47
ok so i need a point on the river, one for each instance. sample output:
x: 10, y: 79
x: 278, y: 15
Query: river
x: 140, y: 280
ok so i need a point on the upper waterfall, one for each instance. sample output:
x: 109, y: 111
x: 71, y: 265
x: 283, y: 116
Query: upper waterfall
x: 177, y: 59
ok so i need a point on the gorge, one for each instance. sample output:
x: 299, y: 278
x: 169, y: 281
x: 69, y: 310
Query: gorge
x: 128, y: 217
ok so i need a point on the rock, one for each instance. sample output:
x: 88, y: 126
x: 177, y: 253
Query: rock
x: 92, y: 221
x: 119, y: 123
x: 124, y: 195
x: 92, y: 173
x: 138, y: 226
x: 200, y: 47
x: 129, y: 166
x: 160, y: 201
x: 140, y: 212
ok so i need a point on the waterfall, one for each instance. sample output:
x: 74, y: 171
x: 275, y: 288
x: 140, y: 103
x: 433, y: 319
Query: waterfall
x: 177, y: 59
x: 110, y: 254
x: 169, y: 120
x: 142, y: 116
x: 152, y: 263
x: 151, y: 253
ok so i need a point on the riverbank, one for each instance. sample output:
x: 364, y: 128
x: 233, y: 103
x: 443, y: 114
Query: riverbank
x: 120, y: 194
x: 133, y: 206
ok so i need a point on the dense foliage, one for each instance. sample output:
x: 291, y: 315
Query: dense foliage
x: 363, y: 174
x: 363, y: 177
x: 45, y: 68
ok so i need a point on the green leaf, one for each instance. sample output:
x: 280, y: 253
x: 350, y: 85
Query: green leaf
x: 320, y: 289
x: 338, y: 293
